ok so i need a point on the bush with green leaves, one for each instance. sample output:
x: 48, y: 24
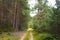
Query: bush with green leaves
x: 44, y: 36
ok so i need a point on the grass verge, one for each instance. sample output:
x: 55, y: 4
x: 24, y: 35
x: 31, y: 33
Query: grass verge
x: 27, y: 37
x: 8, y: 37
x: 44, y: 36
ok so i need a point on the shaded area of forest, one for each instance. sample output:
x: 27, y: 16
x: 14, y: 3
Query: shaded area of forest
x: 15, y: 16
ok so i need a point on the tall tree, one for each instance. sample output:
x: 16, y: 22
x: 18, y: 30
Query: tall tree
x: 14, y: 14
x: 44, y: 16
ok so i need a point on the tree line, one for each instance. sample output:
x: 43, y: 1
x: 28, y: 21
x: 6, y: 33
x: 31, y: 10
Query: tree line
x: 14, y: 15
x: 47, y: 18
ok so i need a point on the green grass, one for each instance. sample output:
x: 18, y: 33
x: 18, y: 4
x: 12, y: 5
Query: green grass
x: 8, y: 37
x: 27, y: 37
x: 43, y: 36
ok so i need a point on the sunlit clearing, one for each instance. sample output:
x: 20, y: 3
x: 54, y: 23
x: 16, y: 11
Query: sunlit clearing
x: 29, y: 29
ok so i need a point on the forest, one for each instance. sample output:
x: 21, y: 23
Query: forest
x: 16, y: 22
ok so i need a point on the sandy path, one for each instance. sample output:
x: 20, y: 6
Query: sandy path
x: 22, y: 35
x: 31, y: 36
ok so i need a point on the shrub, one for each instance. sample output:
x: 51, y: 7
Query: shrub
x: 44, y: 36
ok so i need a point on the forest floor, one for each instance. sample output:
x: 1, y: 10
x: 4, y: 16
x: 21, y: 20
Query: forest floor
x: 21, y: 35
x: 31, y: 36
x: 24, y: 34
x: 27, y: 35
